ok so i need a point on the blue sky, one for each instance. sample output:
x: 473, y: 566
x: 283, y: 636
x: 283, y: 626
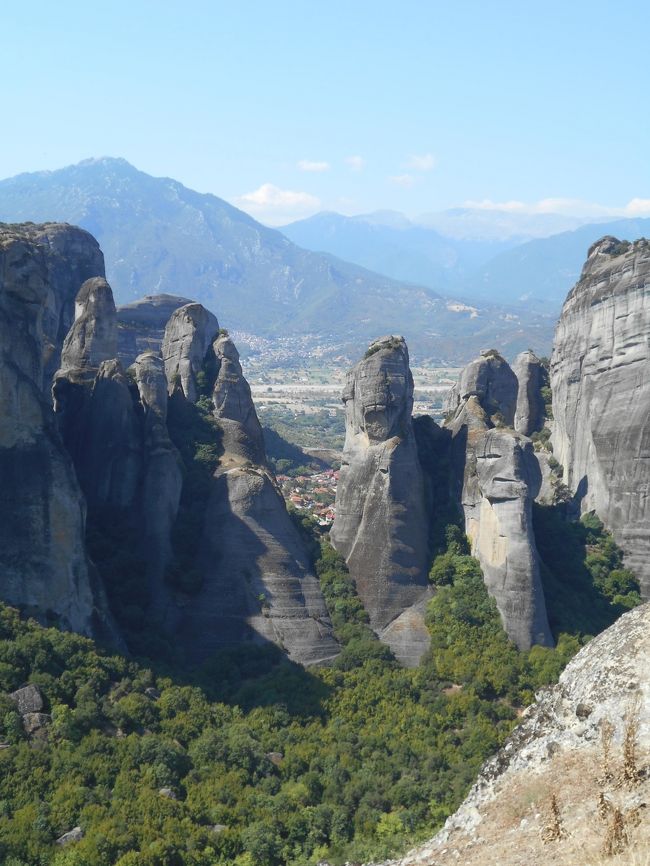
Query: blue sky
x: 288, y: 107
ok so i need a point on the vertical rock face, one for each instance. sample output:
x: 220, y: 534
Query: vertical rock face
x: 110, y: 431
x: 491, y: 380
x: 162, y: 479
x: 116, y: 432
x: 188, y: 336
x: 43, y: 564
x: 531, y: 377
x: 497, y: 478
x: 141, y: 325
x: 93, y: 335
x: 70, y: 256
x: 381, y: 525
x: 233, y: 406
x: 94, y: 405
x: 600, y: 380
x: 257, y: 580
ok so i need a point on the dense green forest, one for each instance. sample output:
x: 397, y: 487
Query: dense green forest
x: 254, y: 761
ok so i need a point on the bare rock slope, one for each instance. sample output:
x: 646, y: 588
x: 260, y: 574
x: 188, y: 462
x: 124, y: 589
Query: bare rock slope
x: 381, y: 525
x: 600, y: 379
x: 586, y: 743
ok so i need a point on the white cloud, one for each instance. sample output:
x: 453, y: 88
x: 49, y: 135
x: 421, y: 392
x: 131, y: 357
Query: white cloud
x: 423, y: 162
x: 638, y: 207
x: 403, y: 180
x: 309, y: 165
x: 565, y: 206
x: 356, y: 163
x: 271, y: 204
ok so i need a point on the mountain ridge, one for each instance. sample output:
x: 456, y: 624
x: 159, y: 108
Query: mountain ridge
x: 160, y: 237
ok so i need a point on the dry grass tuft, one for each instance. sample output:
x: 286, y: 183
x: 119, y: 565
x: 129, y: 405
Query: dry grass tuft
x: 631, y: 774
x: 616, y: 837
x: 554, y: 829
x: 606, y: 737
x: 604, y: 806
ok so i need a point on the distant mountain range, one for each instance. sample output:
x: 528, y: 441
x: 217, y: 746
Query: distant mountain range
x: 160, y: 237
x: 497, y: 224
x: 389, y: 243
x: 509, y: 269
x: 541, y: 272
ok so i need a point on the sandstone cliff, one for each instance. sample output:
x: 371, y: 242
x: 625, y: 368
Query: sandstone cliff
x: 186, y: 346
x: 257, y: 582
x: 94, y: 404
x: 43, y: 564
x: 141, y: 325
x: 114, y: 428
x: 381, y: 525
x: 223, y: 562
x: 601, y: 394
x: 531, y: 378
x: 497, y: 477
x: 586, y: 742
x: 490, y: 379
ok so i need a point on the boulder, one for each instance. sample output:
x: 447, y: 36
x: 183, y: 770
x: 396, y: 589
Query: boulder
x: 28, y: 699
x: 74, y: 835
x: 33, y: 722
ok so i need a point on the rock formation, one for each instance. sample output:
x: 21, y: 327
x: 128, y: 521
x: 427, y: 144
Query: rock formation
x: 257, y: 580
x: 69, y: 257
x: 557, y: 749
x: 531, y: 377
x: 497, y: 477
x: 491, y: 380
x: 161, y: 483
x: 188, y: 336
x: 43, y: 564
x: 94, y: 404
x: 114, y: 427
x: 601, y: 394
x: 233, y: 406
x: 381, y: 525
x: 141, y: 325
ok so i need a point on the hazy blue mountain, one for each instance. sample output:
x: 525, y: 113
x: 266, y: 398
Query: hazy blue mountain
x: 542, y: 271
x: 490, y: 224
x: 391, y: 244
x: 160, y: 237
x: 523, y: 272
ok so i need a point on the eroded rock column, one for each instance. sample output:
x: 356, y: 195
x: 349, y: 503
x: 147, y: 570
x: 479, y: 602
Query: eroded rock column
x: 381, y: 525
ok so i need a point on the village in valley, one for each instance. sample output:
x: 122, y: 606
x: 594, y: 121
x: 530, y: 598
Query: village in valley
x: 314, y: 493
